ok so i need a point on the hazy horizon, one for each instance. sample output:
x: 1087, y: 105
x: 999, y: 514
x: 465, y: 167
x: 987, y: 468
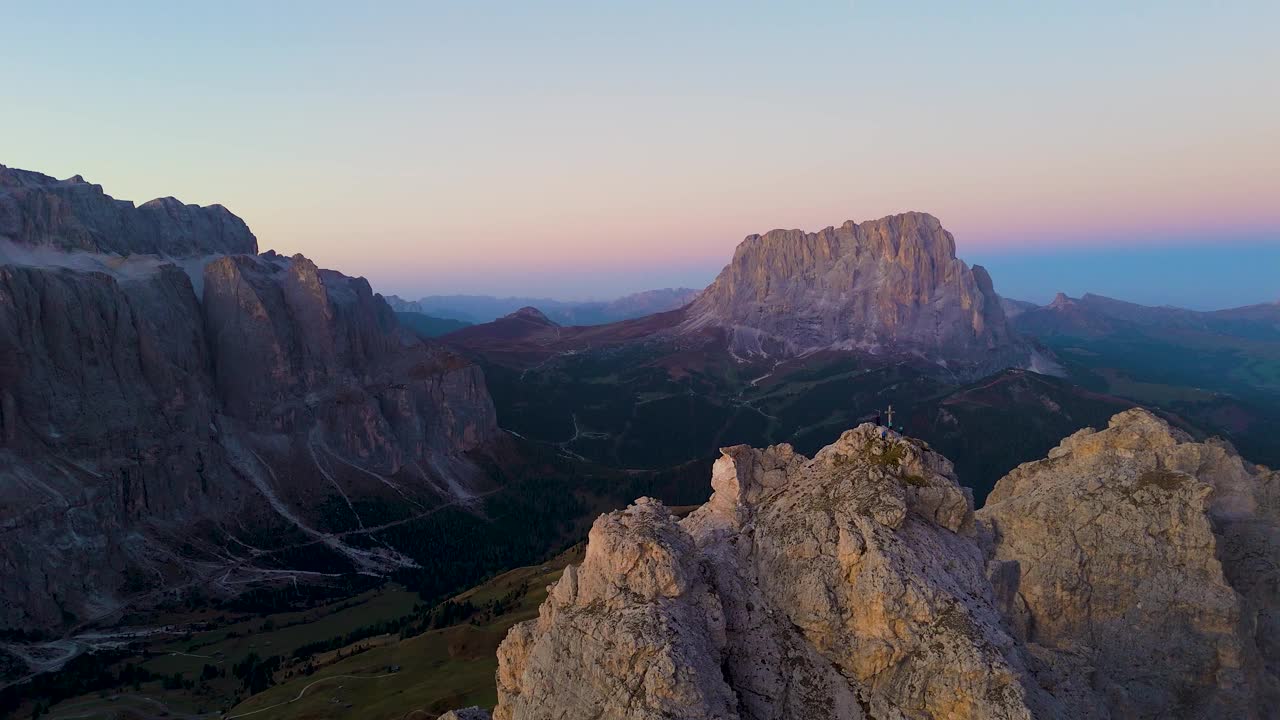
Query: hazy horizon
x: 1248, y: 268
x: 577, y: 150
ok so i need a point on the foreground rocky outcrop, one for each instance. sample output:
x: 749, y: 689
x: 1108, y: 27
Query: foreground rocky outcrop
x: 891, y: 287
x: 1131, y: 574
x: 1151, y: 560
x: 179, y: 422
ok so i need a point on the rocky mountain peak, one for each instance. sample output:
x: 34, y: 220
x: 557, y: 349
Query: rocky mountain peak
x: 823, y: 587
x: 1128, y: 574
x: 891, y: 286
x: 531, y: 314
x: 74, y: 215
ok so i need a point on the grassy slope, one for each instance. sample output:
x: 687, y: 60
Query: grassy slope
x: 439, y: 670
x: 190, y: 654
x: 547, y: 502
x: 284, y: 637
x: 631, y: 412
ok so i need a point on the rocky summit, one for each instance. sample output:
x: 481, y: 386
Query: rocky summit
x: 37, y: 210
x: 891, y: 287
x: 1131, y: 574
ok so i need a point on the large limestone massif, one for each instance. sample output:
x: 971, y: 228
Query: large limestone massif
x: 169, y: 421
x: 1132, y: 574
x: 891, y: 286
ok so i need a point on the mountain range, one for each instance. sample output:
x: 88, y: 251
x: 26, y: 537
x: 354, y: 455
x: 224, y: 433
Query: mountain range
x: 800, y: 337
x: 485, y: 308
x: 1219, y: 370
x: 190, y: 426
x: 805, y: 334
x: 184, y: 418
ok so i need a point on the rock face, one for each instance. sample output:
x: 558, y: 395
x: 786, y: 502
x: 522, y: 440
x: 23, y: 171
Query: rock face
x: 891, y: 286
x: 1013, y: 308
x: 1152, y: 560
x: 284, y: 330
x: 1131, y: 574
x: 95, y: 375
x: 159, y: 432
x: 846, y: 586
x: 38, y: 210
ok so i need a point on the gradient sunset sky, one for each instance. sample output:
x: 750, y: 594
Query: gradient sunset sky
x: 596, y: 148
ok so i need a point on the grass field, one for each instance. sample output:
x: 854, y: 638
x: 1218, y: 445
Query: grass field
x: 223, y: 647
x: 280, y: 634
x: 382, y: 676
x: 385, y: 678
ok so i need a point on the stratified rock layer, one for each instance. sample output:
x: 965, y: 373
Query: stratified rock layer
x: 1132, y: 574
x: 891, y: 286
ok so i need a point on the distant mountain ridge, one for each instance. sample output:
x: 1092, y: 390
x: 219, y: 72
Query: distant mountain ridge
x: 1219, y: 369
x: 429, y: 325
x: 486, y: 308
x: 1014, y: 308
x: 1067, y: 315
x: 803, y: 335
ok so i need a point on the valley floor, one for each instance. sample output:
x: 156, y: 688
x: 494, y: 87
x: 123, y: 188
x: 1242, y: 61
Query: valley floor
x: 331, y: 662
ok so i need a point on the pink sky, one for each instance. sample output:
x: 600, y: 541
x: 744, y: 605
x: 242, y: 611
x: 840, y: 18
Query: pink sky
x: 443, y: 149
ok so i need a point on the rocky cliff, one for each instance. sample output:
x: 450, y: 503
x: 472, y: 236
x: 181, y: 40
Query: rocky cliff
x: 1150, y: 562
x: 1130, y: 574
x: 177, y: 424
x: 891, y: 286
x: 75, y: 215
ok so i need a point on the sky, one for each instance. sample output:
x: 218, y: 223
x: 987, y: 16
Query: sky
x: 589, y: 149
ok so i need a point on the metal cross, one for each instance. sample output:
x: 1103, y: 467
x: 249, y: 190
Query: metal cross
x: 889, y: 412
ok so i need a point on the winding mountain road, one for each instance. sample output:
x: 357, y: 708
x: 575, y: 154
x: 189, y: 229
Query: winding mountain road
x: 303, y: 692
